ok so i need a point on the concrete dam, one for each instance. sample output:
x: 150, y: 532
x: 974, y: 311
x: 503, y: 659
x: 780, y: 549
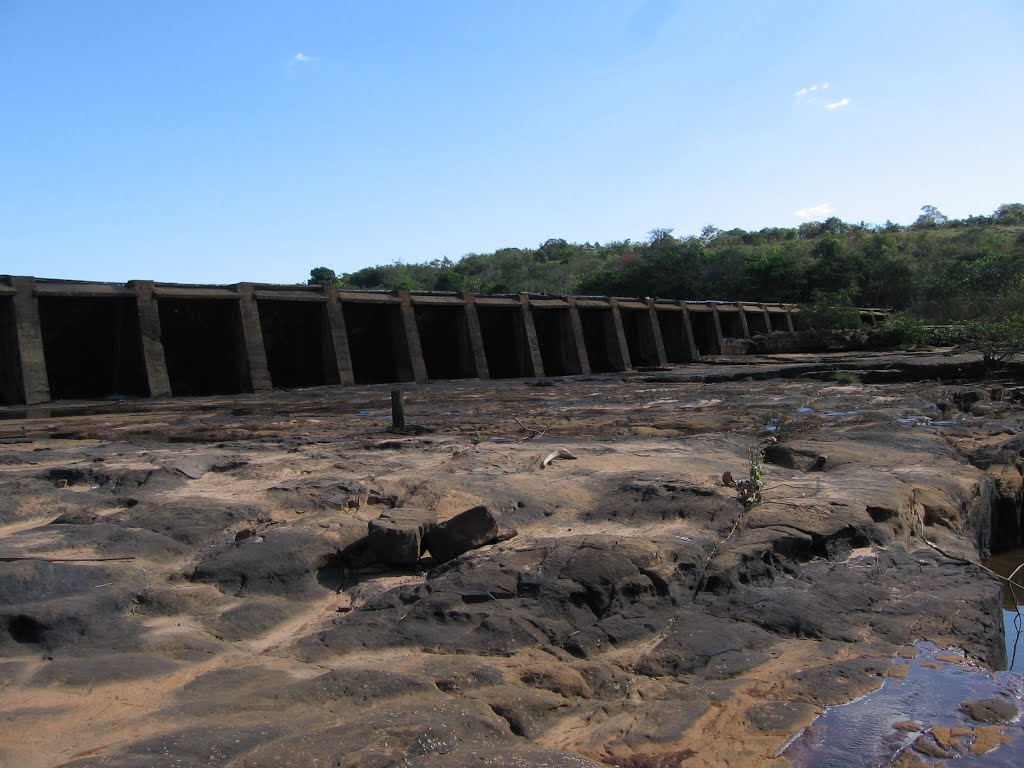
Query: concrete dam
x: 64, y: 339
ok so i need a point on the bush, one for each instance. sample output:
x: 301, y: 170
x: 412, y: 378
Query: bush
x: 830, y: 312
x: 846, y: 377
x: 997, y: 340
x: 954, y: 335
x: 901, y: 330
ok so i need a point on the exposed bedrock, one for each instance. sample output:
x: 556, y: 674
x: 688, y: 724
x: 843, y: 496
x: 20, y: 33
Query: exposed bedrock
x: 282, y: 598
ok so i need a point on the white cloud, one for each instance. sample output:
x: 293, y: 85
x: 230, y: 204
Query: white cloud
x: 301, y: 58
x: 808, y: 90
x: 815, y: 211
x: 814, y: 95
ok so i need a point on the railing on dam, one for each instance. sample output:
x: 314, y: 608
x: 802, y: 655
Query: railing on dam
x: 63, y: 339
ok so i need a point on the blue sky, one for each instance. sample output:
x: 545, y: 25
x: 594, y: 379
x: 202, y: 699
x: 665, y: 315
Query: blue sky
x: 228, y: 141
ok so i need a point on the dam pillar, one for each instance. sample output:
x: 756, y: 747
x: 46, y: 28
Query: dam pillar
x: 30, y: 380
x: 655, y: 331
x: 411, y: 350
x: 719, y: 336
x: 578, y: 338
x: 338, y: 355
x: 691, y: 342
x: 743, y: 321
x: 337, y: 340
x: 533, y: 359
x: 252, y: 339
x: 153, y: 358
x: 476, y: 338
x: 619, y: 334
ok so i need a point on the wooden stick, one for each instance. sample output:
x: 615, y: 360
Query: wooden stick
x: 397, y: 410
x: 536, y: 432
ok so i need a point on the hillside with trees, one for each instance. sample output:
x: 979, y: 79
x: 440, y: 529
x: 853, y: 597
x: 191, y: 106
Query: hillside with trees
x: 939, y: 268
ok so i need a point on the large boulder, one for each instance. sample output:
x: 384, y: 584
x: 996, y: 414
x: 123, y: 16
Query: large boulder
x: 467, y: 530
x: 397, y: 537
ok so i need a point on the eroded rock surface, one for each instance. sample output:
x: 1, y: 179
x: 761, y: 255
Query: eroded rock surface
x: 185, y: 586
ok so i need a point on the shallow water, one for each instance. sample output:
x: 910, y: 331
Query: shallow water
x: 1014, y: 623
x: 1004, y: 564
x: 862, y: 733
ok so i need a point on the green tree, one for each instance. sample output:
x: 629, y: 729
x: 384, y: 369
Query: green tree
x: 1011, y: 214
x: 322, y: 276
x: 774, y: 275
x: 930, y: 218
x: 835, y: 267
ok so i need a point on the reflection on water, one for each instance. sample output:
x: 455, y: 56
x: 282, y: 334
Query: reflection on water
x: 863, y: 732
x: 1014, y: 623
x: 1005, y: 564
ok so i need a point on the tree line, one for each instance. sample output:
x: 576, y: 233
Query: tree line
x: 940, y: 269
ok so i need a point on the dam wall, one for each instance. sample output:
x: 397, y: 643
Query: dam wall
x: 63, y: 339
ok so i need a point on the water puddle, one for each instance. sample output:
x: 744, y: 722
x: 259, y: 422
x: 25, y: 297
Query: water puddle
x: 1013, y: 623
x: 925, y: 421
x: 1005, y: 563
x: 922, y: 712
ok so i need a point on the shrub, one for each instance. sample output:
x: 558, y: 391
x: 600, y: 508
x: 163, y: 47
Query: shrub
x: 846, y: 377
x: 901, y: 330
x: 997, y: 340
x: 830, y: 312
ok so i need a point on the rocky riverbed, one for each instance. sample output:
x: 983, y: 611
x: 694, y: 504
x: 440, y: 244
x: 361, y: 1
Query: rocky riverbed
x: 189, y: 582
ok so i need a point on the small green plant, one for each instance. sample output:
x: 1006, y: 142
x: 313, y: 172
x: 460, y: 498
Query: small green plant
x: 749, y: 490
x: 845, y: 377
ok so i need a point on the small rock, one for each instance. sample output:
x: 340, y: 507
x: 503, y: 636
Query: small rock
x: 397, y: 536
x: 967, y: 397
x: 926, y: 745
x: 950, y: 658
x: 193, y: 469
x: 77, y: 517
x: 907, y: 759
x: 780, y: 716
x: 990, y: 710
x: 467, y: 530
x: 988, y: 738
x: 947, y: 738
x: 908, y: 725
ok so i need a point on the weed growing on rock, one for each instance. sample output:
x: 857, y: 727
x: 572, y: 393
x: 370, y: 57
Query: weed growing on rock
x: 846, y: 377
x: 749, y: 490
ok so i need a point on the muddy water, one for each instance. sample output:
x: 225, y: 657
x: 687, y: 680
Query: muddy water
x: 863, y: 732
x: 1005, y: 564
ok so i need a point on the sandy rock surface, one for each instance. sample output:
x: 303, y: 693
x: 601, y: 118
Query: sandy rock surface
x: 190, y: 583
